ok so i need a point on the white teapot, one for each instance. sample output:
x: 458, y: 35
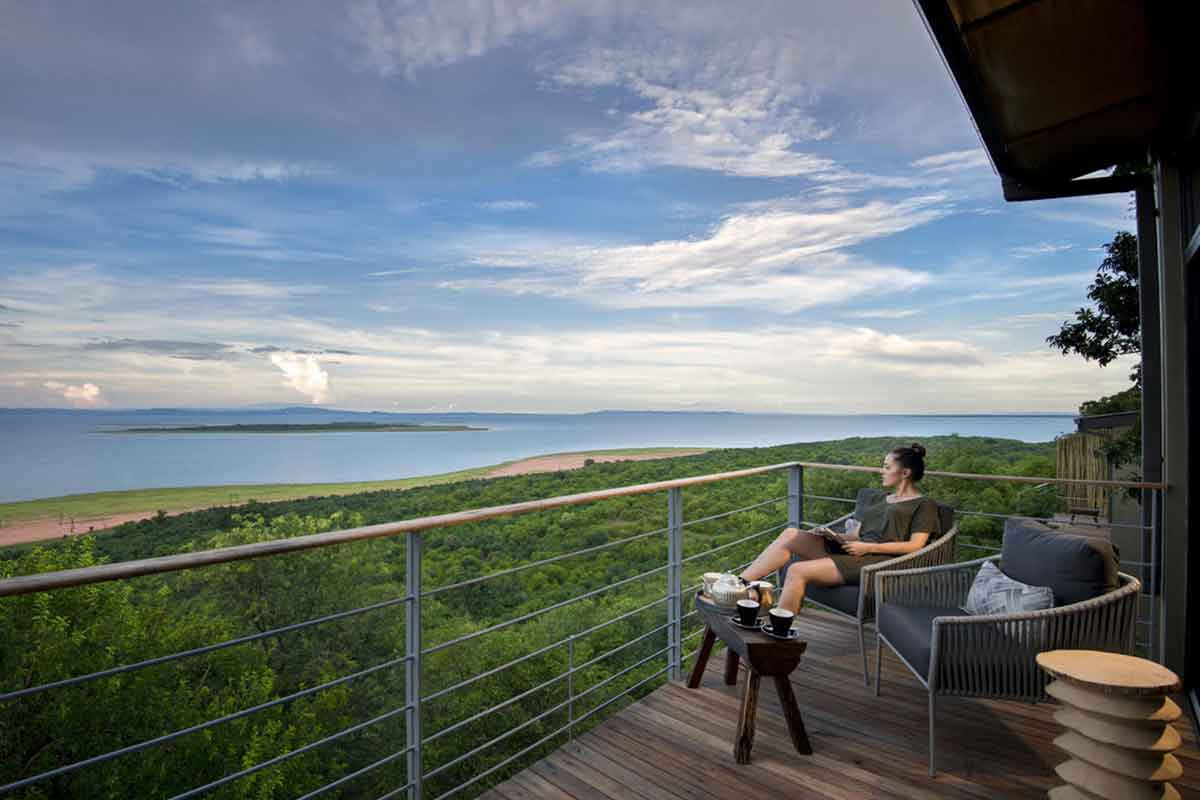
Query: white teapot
x: 728, y: 589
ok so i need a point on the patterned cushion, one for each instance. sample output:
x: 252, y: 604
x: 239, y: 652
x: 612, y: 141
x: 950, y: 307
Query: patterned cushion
x: 993, y: 592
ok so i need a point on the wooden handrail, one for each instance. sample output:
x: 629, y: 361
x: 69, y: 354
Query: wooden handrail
x: 26, y: 584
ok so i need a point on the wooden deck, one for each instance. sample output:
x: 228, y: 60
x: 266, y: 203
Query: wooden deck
x: 677, y: 743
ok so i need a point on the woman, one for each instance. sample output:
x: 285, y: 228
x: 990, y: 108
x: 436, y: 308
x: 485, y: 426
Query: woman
x: 898, y: 523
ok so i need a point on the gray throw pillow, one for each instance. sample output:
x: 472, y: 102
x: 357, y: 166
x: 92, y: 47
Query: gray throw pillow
x: 993, y: 592
x: 1076, y: 568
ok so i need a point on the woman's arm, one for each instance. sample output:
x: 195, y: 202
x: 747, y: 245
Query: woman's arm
x: 915, y: 543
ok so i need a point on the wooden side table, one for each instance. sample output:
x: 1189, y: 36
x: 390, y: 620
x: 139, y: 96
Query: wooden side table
x: 765, y: 657
x: 1118, y: 718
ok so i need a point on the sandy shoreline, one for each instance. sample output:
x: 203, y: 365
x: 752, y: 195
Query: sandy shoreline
x: 37, y: 530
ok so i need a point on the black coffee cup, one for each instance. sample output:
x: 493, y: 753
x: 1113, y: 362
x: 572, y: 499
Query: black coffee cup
x: 781, y: 621
x: 747, y: 612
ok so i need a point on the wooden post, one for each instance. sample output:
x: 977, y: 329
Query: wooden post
x: 791, y: 713
x: 731, y: 667
x: 706, y: 646
x: 744, y: 742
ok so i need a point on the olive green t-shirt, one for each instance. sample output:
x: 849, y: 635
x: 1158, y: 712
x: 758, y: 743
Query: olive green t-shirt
x: 897, y: 522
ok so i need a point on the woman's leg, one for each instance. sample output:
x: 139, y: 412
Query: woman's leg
x: 817, y: 572
x: 792, y: 541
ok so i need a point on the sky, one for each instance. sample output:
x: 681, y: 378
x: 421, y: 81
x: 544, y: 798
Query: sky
x: 546, y: 206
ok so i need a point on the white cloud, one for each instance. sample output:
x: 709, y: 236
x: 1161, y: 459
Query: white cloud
x: 388, y: 273
x: 304, y: 374
x: 954, y: 161
x: 785, y: 255
x: 884, y: 313
x: 233, y: 236
x: 1110, y: 212
x: 1002, y: 287
x: 1040, y: 249
x: 85, y: 395
x: 1034, y: 318
x: 405, y: 37
x: 750, y: 131
x: 502, y: 206
x: 239, y: 287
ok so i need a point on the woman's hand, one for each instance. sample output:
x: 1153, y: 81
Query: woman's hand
x: 858, y: 548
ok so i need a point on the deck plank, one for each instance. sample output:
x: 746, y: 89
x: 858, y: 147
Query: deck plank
x: 677, y: 743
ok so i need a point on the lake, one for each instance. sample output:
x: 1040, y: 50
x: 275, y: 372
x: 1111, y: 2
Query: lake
x: 51, y: 452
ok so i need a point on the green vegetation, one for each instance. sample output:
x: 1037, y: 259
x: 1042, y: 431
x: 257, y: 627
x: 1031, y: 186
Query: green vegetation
x: 1109, y: 330
x: 107, y: 504
x: 58, y: 634
x: 322, y: 427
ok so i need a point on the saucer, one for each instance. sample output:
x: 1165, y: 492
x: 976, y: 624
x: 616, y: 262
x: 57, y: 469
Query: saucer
x: 739, y: 624
x: 792, y: 633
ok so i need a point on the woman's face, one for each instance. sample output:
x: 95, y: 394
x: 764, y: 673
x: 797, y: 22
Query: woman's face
x: 893, y: 473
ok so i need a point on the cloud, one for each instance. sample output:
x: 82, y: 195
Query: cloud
x: 41, y: 169
x: 270, y: 348
x: 502, y: 206
x: 192, y: 351
x: 1036, y: 318
x: 245, y: 288
x: 784, y: 255
x: 1003, y: 287
x: 387, y: 273
x: 303, y: 373
x: 86, y: 395
x: 954, y: 161
x: 406, y: 37
x: 235, y: 236
x: 1041, y: 249
x: 1109, y: 212
x: 749, y: 131
x: 884, y: 313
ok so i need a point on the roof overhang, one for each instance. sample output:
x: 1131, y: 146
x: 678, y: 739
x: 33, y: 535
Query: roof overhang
x: 1059, y: 89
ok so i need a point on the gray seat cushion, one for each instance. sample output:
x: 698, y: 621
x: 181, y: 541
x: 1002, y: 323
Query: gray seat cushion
x: 1075, y: 568
x: 843, y: 598
x: 910, y: 631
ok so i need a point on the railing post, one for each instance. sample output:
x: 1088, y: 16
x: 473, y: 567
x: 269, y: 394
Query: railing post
x: 795, y: 510
x: 1156, y: 519
x: 674, y: 582
x: 412, y: 667
x: 795, y: 495
x: 571, y: 688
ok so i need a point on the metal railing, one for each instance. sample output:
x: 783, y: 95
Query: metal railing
x: 671, y: 657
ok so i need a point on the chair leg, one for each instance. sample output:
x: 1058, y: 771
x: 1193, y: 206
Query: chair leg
x: 878, y: 661
x: 862, y: 649
x: 932, y: 711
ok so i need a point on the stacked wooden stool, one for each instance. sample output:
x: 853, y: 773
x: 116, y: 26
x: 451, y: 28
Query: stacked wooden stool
x: 1118, y: 717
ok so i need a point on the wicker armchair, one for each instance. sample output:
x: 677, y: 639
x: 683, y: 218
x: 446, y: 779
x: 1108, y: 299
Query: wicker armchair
x: 857, y: 601
x: 990, y: 655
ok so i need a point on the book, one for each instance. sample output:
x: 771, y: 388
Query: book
x: 831, y: 534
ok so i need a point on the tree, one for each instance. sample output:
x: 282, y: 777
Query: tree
x: 1113, y: 327
x: 1110, y: 330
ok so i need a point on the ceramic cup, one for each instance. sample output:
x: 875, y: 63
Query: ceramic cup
x: 747, y: 612
x: 781, y: 621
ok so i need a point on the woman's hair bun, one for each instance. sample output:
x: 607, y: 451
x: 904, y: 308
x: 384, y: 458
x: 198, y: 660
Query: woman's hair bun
x: 912, y: 458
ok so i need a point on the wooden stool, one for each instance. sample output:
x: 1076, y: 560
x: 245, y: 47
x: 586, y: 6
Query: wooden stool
x: 1118, y: 718
x: 765, y: 656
